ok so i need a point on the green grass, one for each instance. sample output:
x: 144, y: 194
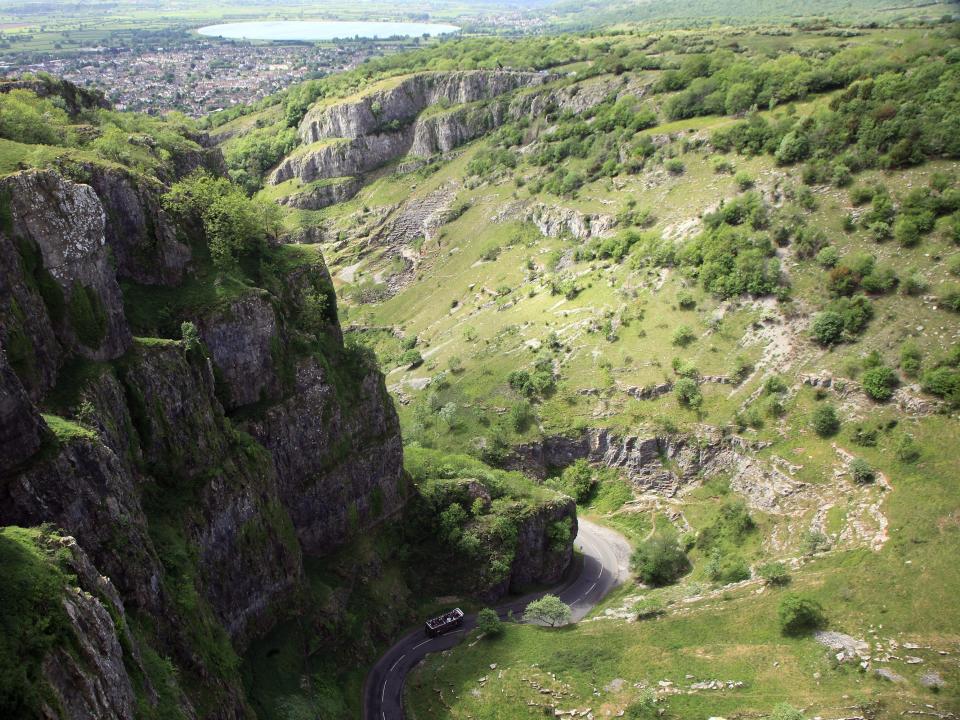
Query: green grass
x: 32, y: 617
x: 67, y: 431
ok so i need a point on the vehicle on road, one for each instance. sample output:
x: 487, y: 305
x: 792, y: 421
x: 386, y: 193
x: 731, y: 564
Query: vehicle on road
x: 450, y: 620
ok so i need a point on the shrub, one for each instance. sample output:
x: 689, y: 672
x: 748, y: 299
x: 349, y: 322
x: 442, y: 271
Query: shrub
x: 774, y: 384
x: 785, y: 711
x: 906, y: 231
x: 644, y: 707
x: 743, y: 180
x: 950, y: 297
x: 648, y: 607
x: 799, y: 614
x: 774, y: 573
x: 825, y: 421
x: 686, y: 300
x: 659, y: 560
x: 489, y: 623
x: 879, y: 382
x: 683, y: 335
x: 674, y: 166
x: 814, y: 542
x: 907, y: 449
x: 910, y: 359
x: 411, y: 358
x: 688, y: 392
x: 861, y: 471
x: 828, y: 257
x: 520, y: 416
x: 827, y: 328
x: 577, y: 480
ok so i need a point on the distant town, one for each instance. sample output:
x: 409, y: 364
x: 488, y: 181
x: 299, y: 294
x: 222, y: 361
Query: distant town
x: 198, y: 77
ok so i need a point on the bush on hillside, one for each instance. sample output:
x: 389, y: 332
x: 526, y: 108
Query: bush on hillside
x: 799, y: 614
x: 659, y: 560
x: 825, y: 421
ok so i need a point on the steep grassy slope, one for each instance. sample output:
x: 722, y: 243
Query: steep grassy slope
x: 635, y: 275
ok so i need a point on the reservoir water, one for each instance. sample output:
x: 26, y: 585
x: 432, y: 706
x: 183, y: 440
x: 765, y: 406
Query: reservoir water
x: 322, y: 30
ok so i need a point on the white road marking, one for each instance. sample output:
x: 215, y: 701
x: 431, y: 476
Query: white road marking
x: 396, y: 663
x: 421, y: 644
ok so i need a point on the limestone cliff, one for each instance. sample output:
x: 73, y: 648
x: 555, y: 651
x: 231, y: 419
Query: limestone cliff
x: 421, y: 114
x: 199, y: 520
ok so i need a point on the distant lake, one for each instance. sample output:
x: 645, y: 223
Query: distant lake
x: 322, y: 30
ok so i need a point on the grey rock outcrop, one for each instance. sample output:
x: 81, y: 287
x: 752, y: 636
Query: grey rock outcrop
x: 641, y: 458
x: 354, y: 137
x: 242, y: 339
x: 22, y: 431
x: 536, y: 562
x: 86, y: 491
x: 93, y: 681
x: 187, y: 515
x: 140, y: 234
x: 406, y: 99
x: 339, y: 468
x: 66, y: 222
x: 324, y: 195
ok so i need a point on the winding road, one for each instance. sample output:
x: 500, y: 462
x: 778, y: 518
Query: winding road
x: 606, y: 557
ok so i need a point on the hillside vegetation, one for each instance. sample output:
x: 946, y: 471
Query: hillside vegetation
x: 718, y: 267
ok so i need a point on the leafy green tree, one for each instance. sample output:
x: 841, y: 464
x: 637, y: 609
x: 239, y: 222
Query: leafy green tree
x: 577, y: 480
x: 827, y: 328
x: 233, y: 223
x: 861, y: 471
x: 659, y: 560
x: 825, y: 421
x: 548, y: 610
x: 879, y: 382
x: 774, y: 573
x: 489, y: 623
x: 688, y: 392
x: 799, y: 614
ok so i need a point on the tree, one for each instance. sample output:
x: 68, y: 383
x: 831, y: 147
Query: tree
x: 548, y: 610
x: 688, y: 392
x: 659, y: 560
x: 233, y: 223
x: 827, y: 328
x: 825, y: 421
x: 488, y: 622
x: 577, y: 480
x: 799, y: 613
x: 861, y: 471
x: 879, y: 382
x: 774, y: 573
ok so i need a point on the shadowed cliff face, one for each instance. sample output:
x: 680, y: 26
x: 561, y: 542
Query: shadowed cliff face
x: 198, y: 520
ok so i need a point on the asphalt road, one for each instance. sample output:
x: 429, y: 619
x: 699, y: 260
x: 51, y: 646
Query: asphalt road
x: 606, y: 556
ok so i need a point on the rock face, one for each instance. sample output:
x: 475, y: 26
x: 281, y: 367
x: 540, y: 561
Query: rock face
x: 140, y: 234
x: 641, y: 458
x: 93, y: 682
x: 324, y: 195
x: 21, y: 429
x: 407, y: 98
x: 242, y: 338
x: 200, y: 527
x: 66, y: 222
x: 386, y: 124
x: 327, y: 483
x: 536, y: 562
